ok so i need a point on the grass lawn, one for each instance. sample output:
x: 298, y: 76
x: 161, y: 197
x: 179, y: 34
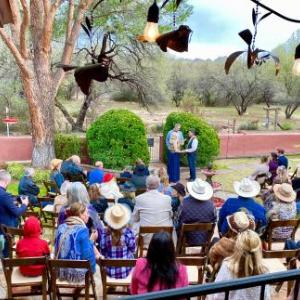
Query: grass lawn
x: 13, y: 188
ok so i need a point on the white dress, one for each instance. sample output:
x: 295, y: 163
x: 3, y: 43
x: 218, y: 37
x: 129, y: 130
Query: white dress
x: 244, y: 294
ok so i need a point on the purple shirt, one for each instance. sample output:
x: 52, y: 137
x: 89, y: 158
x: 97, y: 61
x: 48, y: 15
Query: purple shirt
x: 273, y: 165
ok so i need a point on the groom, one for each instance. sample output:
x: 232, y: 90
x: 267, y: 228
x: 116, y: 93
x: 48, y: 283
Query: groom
x: 191, y: 150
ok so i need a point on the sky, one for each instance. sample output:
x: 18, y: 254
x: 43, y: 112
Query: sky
x: 216, y: 23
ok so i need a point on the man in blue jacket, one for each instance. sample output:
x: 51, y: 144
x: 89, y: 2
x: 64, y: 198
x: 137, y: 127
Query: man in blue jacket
x: 282, y: 159
x: 10, y: 211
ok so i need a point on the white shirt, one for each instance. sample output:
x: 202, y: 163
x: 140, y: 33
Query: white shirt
x: 194, y: 145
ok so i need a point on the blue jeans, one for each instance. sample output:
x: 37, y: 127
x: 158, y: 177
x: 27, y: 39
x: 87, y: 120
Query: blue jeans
x: 192, y: 160
x: 173, y: 166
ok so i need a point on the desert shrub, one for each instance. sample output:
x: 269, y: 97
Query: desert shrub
x: 190, y: 102
x: 209, y: 143
x: 67, y: 145
x: 248, y: 126
x: 117, y: 138
x: 286, y: 126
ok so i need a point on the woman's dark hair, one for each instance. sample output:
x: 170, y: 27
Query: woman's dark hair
x: 274, y: 155
x: 161, y: 259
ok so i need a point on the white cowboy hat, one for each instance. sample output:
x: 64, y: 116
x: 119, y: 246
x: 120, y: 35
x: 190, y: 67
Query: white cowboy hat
x: 110, y: 190
x: 240, y: 221
x: 284, y: 192
x: 246, y: 188
x: 117, y: 216
x: 200, y: 190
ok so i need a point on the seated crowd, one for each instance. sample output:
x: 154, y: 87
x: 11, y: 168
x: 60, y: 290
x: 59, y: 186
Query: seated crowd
x: 99, y: 217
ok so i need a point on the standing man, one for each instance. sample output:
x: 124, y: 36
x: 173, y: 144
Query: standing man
x: 191, y: 151
x: 174, y: 140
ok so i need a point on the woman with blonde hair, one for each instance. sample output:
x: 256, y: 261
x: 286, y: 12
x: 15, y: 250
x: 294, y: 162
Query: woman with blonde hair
x: 56, y: 175
x: 164, y: 186
x: 97, y: 200
x: 246, y: 261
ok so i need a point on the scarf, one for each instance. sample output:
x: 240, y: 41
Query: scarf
x: 71, y: 221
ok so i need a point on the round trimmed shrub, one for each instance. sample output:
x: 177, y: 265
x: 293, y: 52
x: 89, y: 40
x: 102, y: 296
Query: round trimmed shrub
x: 117, y: 138
x: 209, y: 143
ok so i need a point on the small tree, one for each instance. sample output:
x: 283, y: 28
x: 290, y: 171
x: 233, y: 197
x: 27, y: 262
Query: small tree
x: 118, y: 138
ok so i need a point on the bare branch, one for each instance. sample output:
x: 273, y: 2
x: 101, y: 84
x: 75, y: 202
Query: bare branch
x: 24, y: 27
x: 15, y: 27
x: 70, y: 20
x: 15, y: 52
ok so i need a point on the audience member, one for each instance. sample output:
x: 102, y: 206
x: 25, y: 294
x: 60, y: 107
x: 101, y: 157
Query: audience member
x: 282, y: 176
x: 96, y: 199
x: 178, y: 194
x: 56, y: 175
x: 273, y: 165
x: 164, y: 186
x: 246, y: 190
x: 109, y: 189
x: 140, y: 174
x: 128, y: 190
x: 96, y: 175
x: 141, y: 168
x: 296, y: 187
x: 197, y: 208
x: 32, y: 245
x: 245, y: 261
x: 281, y: 205
x: 159, y: 270
x: 126, y: 172
x: 74, y: 242
x: 61, y: 200
x: 28, y: 187
x: 261, y: 169
x: 77, y: 193
x: 117, y: 241
x: 282, y: 159
x: 238, y: 222
x: 71, y: 167
x: 10, y: 209
x: 152, y: 208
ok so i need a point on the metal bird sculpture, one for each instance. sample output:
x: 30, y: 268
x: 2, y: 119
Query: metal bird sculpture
x: 177, y: 40
x: 255, y: 56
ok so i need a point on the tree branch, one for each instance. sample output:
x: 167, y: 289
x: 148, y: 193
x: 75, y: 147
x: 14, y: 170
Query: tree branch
x: 15, y: 52
x: 46, y: 4
x: 70, y: 20
x: 64, y: 111
x: 24, y: 26
x: 15, y: 27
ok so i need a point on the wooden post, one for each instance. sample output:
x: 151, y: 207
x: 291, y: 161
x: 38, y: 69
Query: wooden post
x: 276, y: 119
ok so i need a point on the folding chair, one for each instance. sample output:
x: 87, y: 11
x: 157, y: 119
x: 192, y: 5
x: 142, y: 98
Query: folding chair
x: 194, y: 228
x: 150, y: 230
x: 109, y: 284
x: 140, y: 191
x: 273, y: 260
x: 32, y: 286
x: 53, y: 267
x: 195, y: 268
x: 50, y: 187
x: 10, y: 234
x: 268, y: 235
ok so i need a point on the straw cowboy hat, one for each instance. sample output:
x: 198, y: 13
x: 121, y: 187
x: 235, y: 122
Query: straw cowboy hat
x: 246, y: 188
x: 200, y: 190
x: 55, y: 163
x: 117, y: 216
x: 110, y: 190
x: 284, y: 192
x: 240, y: 221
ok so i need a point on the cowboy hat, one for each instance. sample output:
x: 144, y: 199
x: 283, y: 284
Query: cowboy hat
x: 200, y: 190
x: 246, y: 188
x: 110, y: 190
x: 284, y: 192
x: 117, y: 216
x: 240, y: 221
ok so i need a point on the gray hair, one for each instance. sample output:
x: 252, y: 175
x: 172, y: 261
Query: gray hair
x: 77, y: 192
x: 29, y: 172
x: 64, y: 187
x: 4, y: 176
x: 152, y: 182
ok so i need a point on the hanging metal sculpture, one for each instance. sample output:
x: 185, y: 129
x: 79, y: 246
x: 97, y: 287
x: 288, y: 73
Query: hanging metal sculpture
x: 255, y: 56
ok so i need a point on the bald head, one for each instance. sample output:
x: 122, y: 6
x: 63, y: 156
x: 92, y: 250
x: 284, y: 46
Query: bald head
x: 152, y: 182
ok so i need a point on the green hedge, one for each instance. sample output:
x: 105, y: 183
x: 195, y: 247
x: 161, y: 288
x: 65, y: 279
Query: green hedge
x: 117, y: 138
x: 67, y: 145
x: 209, y: 143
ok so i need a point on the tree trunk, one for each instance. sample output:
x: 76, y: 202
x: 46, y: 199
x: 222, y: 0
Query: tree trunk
x: 290, y: 109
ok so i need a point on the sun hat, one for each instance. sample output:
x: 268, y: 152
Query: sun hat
x: 246, y: 188
x: 240, y: 221
x: 284, y: 192
x: 108, y: 177
x: 200, y: 190
x: 117, y: 216
x: 128, y: 187
x: 110, y: 190
x: 179, y: 187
